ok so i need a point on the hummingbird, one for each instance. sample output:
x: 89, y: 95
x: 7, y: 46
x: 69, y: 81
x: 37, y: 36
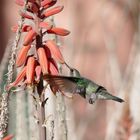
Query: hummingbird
x: 80, y: 85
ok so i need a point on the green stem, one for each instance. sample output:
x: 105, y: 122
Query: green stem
x: 41, y: 117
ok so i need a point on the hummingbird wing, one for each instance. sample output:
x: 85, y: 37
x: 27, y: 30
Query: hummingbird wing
x: 62, y: 83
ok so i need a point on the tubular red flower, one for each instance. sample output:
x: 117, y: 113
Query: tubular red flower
x: 53, y: 11
x: 55, y: 51
x: 33, y: 7
x: 19, y: 78
x: 29, y: 37
x: 25, y: 15
x: 50, y: 4
x: 38, y: 73
x: 45, y: 2
x: 58, y: 31
x: 43, y: 60
x: 53, y: 69
x: 48, y: 52
x: 22, y: 55
x: 30, y: 70
x: 25, y: 28
x: 9, y: 137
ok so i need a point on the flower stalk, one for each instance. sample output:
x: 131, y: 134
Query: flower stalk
x: 38, y: 56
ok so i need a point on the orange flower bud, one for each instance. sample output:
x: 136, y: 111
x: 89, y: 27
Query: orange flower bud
x: 22, y: 55
x: 23, y: 14
x: 30, y: 71
x: 53, y: 69
x: 38, y: 72
x: 20, y: 76
x: 33, y: 7
x: 58, y: 31
x: 29, y: 37
x: 25, y: 28
x: 45, y: 2
x: 50, y: 4
x: 45, y: 25
x: 55, y: 51
x: 48, y: 53
x: 9, y: 137
x: 53, y: 11
x: 43, y: 60
x: 19, y: 2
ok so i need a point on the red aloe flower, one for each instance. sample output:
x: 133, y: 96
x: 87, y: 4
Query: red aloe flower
x: 45, y: 2
x: 43, y: 60
x: 53, y: 69
x: 9, y: 137
x: 22, y: 55
x: 53, y: 11
x: 29, y: 37
x: 19, y: 78
x: 58, y: 31
x: 55, y: 51
x: 48, y: 52
x: 30, y: 70
x: 38, y: 71
x: 50, y: 4
x: 44, y: 57
x: 25, y: 15
x: 33, y: 7
x: 25, y: 28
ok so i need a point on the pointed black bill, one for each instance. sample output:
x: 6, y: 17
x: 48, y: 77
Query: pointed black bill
x: 104, y: 94
x: 61, y: 83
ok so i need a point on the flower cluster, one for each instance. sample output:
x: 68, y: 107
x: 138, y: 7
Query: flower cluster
x: 38, y: 56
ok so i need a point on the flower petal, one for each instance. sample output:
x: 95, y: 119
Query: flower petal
x: 9, y: 137
x: 30, y: 71
x: 25, y: 28
x: 33, y: 7
x: 58, y: 31
x: 38, y: 72
x: 25, y: 15
x: 50, y: 4
x: 55, y: 51
x: 19, y: 78
x: 22, y: 55
x: 29, y: 37
x: 53, y: 69
x: 48, y: 52
x: 45, y: 2
x: 43, y: 60
x: 53, y: 11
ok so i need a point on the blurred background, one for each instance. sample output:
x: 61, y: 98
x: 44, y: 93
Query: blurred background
x: 104, y: 47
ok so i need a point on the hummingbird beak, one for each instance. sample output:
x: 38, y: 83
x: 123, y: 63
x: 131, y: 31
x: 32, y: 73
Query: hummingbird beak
x: 105, y: 95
